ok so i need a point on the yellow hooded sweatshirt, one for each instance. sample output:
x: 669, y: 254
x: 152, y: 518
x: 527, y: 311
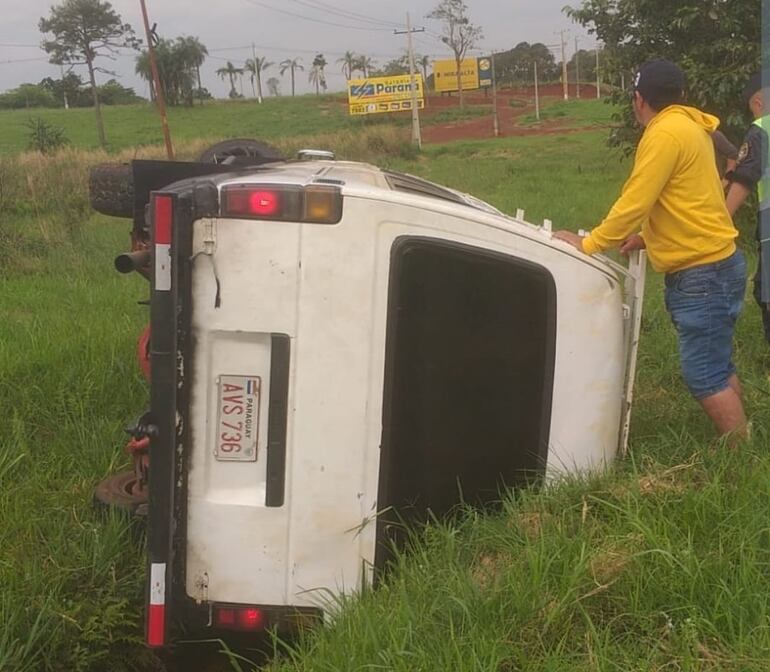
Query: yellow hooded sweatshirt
x: 674, y: 196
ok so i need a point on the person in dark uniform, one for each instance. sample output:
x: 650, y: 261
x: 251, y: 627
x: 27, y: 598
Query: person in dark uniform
x: 752, y: 172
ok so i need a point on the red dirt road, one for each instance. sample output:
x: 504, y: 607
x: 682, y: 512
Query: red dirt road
x: 508, y: 115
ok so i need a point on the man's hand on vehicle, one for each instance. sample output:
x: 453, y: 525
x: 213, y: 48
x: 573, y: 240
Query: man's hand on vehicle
x: 573, y: 239
x: 635, y: 242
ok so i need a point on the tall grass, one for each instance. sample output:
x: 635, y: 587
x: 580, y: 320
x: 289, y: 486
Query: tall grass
x: 660, y: 564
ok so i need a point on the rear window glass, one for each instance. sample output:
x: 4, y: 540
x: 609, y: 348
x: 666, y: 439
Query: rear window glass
x: 416, y: 185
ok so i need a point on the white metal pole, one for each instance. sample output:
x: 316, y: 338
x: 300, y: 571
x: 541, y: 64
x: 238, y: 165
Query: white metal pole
x: 577, y: 68
x: 598, y: 77
x: 537, y: 96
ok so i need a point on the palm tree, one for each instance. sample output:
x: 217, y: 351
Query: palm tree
x: 231, y: 72
x: 319, y: 63
x: 255, y: 67
x: 274, y: 86
x: 291, y: 64
x: 349, y: 63
x: 314, y: 77
x: 176, y: 67
x: 364, y: 64
x: 195, y: 53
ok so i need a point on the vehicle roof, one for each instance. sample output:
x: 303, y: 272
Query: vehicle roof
x: 363, y: 179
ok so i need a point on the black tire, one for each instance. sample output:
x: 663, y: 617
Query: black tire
x: 122, y: 492
x: 241, y: 152
x: 111, y: 188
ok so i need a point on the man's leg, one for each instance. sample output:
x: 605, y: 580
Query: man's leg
x: 725, y: 409
x: 704, y: 304
x: 735, y: 385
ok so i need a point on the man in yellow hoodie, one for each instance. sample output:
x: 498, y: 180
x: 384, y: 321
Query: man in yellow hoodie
x: 673, y: 205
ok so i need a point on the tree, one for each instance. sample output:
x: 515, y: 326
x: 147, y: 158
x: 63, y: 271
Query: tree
x: 291, y: 64
x: 717, y: 44
x: 255, y: 67
x: 71, y: 86
x: 229, y: 71
x: 274, y: 86
x: 319, y: 63
x: 178, y: 68
x: 350, y: 63
x: 395, y: 66
x: 193, y: 53
x: 27, y: 96
x: 516, y: 66
x: 364, y: 64
x: 314, y: 77
x: 460, y: 34
x: 84, y: 30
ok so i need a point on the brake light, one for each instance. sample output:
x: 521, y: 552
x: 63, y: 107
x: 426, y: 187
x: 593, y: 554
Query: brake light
x: 316, y: 204
x: 163, y: 217
x: 245, y: 619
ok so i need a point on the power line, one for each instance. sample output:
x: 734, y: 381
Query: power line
x: 24, y: 60
x: 310, y: 18
x: 346, y: 14
x: 31, y: 46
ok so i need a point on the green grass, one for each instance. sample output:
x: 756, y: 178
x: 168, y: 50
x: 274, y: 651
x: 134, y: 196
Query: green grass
x: 71, y: 578
x: 276, y: 119
x: 574, y: 114
x: 662, y: 563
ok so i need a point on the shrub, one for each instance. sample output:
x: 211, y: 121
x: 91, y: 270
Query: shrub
x: 44, y: 137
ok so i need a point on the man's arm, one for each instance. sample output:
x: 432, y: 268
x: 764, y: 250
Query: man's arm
x: 656, y: 159
x: 736, y: 197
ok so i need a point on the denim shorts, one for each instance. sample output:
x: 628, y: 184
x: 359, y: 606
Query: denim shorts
x: 704, y: 303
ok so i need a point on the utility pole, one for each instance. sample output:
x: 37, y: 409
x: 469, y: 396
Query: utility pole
x: 257, y: 73
x: 564, y: 79
x: 64, y: 88
x: 495, y: 118
x: 156, y: 81
x: 416, y: 136
x: 577, y: 68
x: 598, y: 77
x: 537, y: 95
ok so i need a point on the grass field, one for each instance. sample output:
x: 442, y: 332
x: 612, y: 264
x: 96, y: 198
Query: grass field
x: 661, y: 564
x: 130, y: 126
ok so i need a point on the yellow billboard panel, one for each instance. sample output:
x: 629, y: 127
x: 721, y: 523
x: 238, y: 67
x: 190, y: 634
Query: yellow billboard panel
x: 375, y: 95
x: 378, y: 108
x: 445, y: 75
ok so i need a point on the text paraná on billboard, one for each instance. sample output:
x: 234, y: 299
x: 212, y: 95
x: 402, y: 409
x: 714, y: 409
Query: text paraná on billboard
x: 375, y: 95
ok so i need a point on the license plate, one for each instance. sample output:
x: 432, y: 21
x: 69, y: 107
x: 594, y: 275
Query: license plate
x: 238, y: 418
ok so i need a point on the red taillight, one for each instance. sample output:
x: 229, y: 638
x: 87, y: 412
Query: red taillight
x: 248, y: 619
x: 315, y: 204
x: 163, y: 216
x: 264, y: 203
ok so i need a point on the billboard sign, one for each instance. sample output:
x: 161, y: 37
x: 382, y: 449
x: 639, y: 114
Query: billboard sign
x: 475, y: 73
x: 375, y: 95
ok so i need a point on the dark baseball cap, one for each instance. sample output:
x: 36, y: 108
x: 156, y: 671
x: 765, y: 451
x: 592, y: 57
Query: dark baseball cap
x: 660, y: 80
x: 760, y: 80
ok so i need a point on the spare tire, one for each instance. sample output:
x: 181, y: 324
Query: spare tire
x: 124, y: 492
x: 241, y: 152
x: 111, y: 189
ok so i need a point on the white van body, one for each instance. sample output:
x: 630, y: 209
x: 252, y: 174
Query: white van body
x: 337, y: 349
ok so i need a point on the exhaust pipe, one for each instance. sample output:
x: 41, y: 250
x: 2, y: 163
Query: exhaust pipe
x: 132, y: 261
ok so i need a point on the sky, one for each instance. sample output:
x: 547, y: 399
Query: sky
x: 282, y: 29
